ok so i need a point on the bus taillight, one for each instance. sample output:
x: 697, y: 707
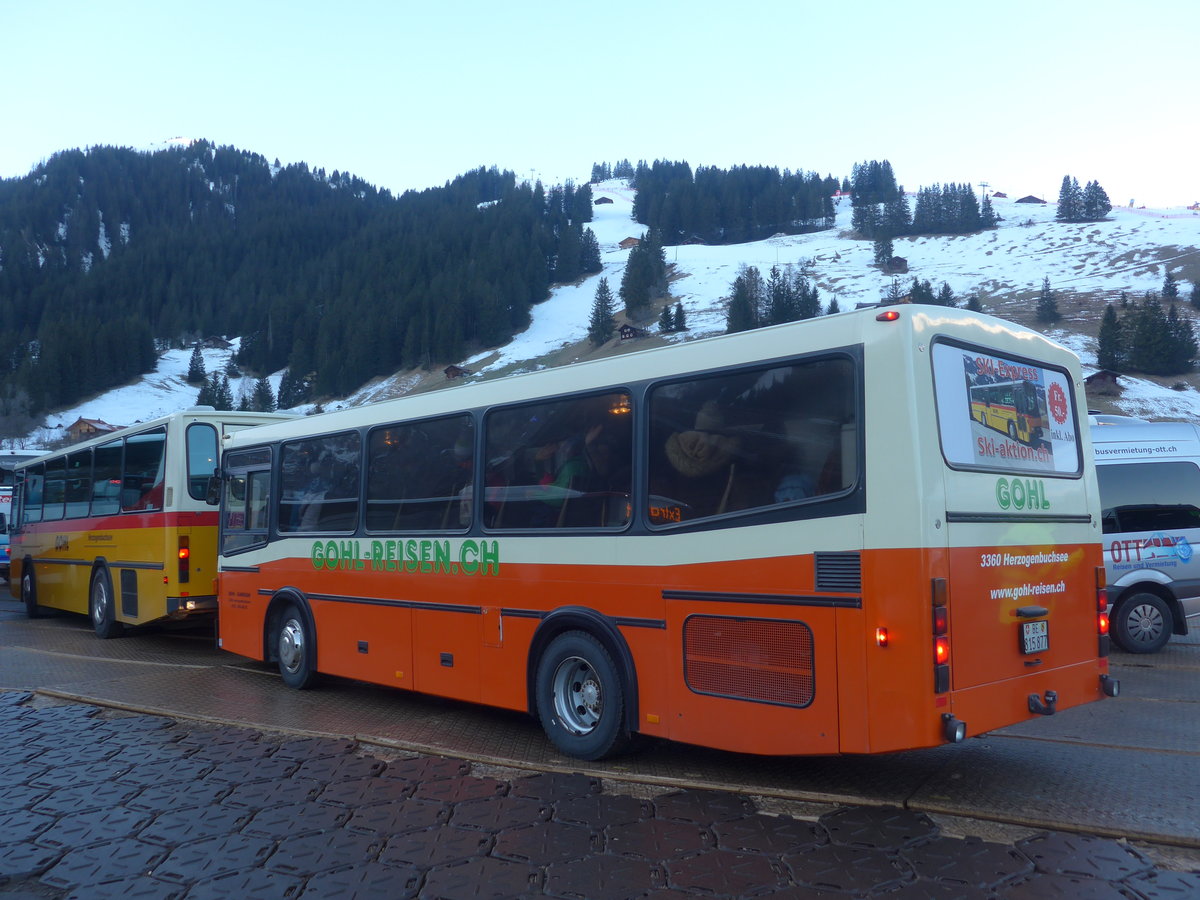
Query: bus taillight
x: 185, y: 556
x: 941, y: 652
x: 1102, y: 622
x: 941, y: 637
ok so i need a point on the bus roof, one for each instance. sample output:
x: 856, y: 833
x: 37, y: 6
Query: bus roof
x: 776, y: 342
x: 200, y: 413
x: 1145, y: 439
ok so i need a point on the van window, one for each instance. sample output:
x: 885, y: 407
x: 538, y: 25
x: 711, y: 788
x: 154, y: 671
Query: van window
x: 1152, y: 496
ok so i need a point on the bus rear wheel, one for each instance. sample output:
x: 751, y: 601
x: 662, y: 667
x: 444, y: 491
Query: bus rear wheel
x: 294, y: 650
x: 101, y: 608
x: 1142, y: 623
x: 580, y: 700
x: 29, y: 590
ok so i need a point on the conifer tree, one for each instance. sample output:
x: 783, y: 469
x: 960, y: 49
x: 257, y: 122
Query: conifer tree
x: 1195, y: 298
x: 893, y: 293
x: 987, y: 214
x: 745, y: 301
x: 195, y: 372
x: 680, y: 323
x: 1096, y: 204
x: 974, y: 304
x: 589, y: 259
x: 1150, y: 342
x: 884, y: 250
x: 833, y: 307
x: 781, y: 299
x: 1170, y: 289
x: 1183, y: 341
x: 602, y: 324
x: 666, y: 320
x: 945, y: 296
x: 1070, y: 201
x: 263, y: 398
x: 1110, y: 350
x: 222, y: 395
x: 1047, y: 304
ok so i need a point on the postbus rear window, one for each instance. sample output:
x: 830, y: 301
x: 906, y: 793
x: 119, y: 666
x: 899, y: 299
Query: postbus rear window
x: 1004, y: 414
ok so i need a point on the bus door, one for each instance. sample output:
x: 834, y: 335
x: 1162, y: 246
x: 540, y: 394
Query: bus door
x: 1021, y: 587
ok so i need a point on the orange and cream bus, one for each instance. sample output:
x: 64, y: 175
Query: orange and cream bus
x: 118, y: 527
x: 795, y: 540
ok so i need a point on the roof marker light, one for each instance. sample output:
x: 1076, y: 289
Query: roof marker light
x: 888, y: 315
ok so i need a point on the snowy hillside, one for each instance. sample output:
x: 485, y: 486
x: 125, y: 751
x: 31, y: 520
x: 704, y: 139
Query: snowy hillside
x: 1129, y: 252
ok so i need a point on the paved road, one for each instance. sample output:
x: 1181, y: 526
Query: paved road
x: 434, y: 798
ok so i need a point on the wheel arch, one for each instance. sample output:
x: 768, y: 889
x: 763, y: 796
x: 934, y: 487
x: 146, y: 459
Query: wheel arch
x: 1160, y: 590
x: 281, y: 600
x: 603, y: 629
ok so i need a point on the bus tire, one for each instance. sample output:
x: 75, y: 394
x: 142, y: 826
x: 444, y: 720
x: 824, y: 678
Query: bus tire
x: 294, y: 649
x: 29, y: 591
x: 1142, y: 623
x: 580, y: 699
x: 101, y: 606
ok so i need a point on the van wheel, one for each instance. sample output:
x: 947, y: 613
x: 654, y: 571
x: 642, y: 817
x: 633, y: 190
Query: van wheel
x: 1142, y: 623
x: 101, y: 607
x: 579, y: 697
x: 29, y: 590
x: 294, y: 650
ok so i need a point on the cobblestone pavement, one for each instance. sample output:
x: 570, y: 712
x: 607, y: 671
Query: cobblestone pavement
x: 97, y: 803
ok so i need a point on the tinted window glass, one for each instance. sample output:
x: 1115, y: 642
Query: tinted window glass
x: 419, y: 475
x: 320, y: 484
x: 752, y: 439
x: 201, y: 458
x: 561, y: 464
x: 79, y: 483
x: 142, y: 488
x: 245, y: 507
x: 56, y: 489
x: 106, y: 479
x: 1149, y: 496
x: 32, y: 493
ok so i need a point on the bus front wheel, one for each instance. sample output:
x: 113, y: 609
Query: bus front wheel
x: 294, y: 650
x: 101, y: 608
x: 580, y: 700
x: 1142, y: 623
x: 29, y: 590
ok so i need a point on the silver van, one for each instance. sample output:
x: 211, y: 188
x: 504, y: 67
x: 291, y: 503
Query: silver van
x: 1149, y: 475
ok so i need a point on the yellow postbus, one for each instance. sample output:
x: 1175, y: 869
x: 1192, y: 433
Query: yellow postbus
x: 118, y: 528
x: 786, y: 541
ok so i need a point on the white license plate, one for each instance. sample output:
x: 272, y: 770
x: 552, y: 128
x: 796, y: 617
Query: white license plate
x: 1035, y: 637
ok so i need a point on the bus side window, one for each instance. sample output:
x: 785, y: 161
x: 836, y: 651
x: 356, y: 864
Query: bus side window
x: 750, y: 439
x: 106, y: 479
x: 419, y: 475
x: 320, y: 484
x: 32, y: 493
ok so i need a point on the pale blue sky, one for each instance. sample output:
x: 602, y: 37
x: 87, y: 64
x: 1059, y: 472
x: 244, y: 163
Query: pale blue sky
x: 408, y: 95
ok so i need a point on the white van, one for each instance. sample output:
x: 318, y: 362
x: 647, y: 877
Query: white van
x: 1149, y: 474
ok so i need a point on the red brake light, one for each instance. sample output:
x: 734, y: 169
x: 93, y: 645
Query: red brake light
x: 941, y: 622
x: 941, y: 650
x: 1103, y: 623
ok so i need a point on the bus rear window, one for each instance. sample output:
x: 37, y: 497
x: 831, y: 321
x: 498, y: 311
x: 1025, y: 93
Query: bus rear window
x: 1002, y: 414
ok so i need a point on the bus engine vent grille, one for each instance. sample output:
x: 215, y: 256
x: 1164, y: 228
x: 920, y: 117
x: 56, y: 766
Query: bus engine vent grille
x: 764, y: 660
x: 840, y: 572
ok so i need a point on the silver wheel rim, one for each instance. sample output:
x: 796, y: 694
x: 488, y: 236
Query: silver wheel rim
x: 291, y: 646
x: 1145, y: 623
x: 26, y: 587
x: 578, y: 695
x: 99, y: 601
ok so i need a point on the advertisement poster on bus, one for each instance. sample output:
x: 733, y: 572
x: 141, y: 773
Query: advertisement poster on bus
x: 1004, y: 414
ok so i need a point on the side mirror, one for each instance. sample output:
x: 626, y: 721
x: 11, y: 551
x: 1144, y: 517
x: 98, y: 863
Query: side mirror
x: 212, y: 496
